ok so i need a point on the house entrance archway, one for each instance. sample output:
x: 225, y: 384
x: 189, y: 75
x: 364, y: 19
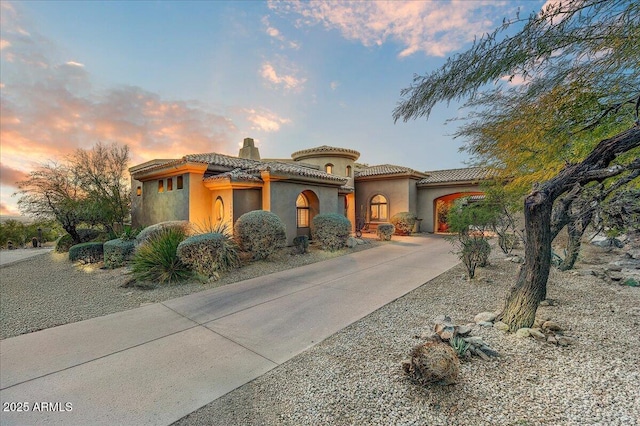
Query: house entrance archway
x: 307, y: 207
x: 441, y: 206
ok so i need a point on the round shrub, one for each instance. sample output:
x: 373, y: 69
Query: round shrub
x: 331, y: 230
x: 301, y: 244
x: 385, y: 231
x: 150, y: 231
x: 64, y: 243
x: 209, y: 254
x: 404, y: 222
x: 117, y: 252
x: 157, y: 261
x: 86, y: 252
x: 260, y: 233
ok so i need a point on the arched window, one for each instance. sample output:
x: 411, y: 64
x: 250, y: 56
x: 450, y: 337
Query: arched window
x: 302, y: 211
x: 348, y: 171
x: 218, y: 210
x: 379, y: 208
x: 328, y: 168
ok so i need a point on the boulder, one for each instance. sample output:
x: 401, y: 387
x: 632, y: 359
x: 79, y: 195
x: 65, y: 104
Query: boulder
x: 501, y: 326
x: 537, y: 334
x: 484, y: 317
x: 523, y: 332
x: 351, y: 242
x: 551, y: 326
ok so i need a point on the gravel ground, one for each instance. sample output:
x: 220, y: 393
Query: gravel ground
x: 354, y: 377
x: 48, y: 290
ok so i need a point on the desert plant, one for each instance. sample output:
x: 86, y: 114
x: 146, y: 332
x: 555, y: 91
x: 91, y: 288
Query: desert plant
x: 385, y: 231
x: 129, y: 233
x: 432, y: 362
x: 404, y: 222
x: 331, y: 230
x: 64, y: 243
x: 117, y: 252
x: 301, y: 244
x: 209, y: 254
x: 460, y: 345
x: 260, y: 233
x: 86, y: 252
x: 157, y: 261
x: 150, y: 231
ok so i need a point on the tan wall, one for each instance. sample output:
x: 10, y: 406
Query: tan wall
x: 153, y: 206
x: 399, y: 194
x: 246, y: 200
x: 283, y: 202
x: 339, y: 165
x: 200, y: 202
x: 427, y: 196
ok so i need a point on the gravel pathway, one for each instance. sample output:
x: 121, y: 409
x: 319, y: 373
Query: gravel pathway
x: 354, y: 377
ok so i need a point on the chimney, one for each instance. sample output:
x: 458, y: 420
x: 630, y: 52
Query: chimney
x: 249, y: 150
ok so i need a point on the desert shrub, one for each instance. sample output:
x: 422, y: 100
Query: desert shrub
x: 301, y: 244
x: 260, y: 233
x: 385, y: 231
x: 331, y: 230
x: 157, y: 261
x: 150, y: 231
x: 209, y: 254
x: 117, y: 252
x: 86, y: 252
x: 64, y: 243
x: 129, y: 233
x: 432, y: 362
x: 474, y: 252
x: 404, y: 222
x: 470, y: 221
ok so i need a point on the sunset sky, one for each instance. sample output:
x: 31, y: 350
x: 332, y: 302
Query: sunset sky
x: 175, y: 78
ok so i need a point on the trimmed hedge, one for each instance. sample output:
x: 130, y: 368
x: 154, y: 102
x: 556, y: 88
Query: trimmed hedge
x: 260, y: 233
x: 153, y: 230
x: 64, y: 243
x: 117, y: 252
x: 404, y: 222
x: 209, y: 254
x: 86, y: 252
x: 385, y: 231
x: 331, y: 230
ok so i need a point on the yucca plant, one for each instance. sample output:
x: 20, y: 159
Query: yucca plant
x: 459, y: 345
x: 157, y: 261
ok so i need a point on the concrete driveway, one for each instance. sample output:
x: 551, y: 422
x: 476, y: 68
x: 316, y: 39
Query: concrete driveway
x: 155, y: 364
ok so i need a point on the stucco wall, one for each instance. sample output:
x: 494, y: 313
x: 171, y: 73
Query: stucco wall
x: 398, y: 193
x: 339, y: 165
x: 246, y: 200
x: 200, y: 202
x: 153, y: 206
x: 427, y: 196
x: 283, y: 202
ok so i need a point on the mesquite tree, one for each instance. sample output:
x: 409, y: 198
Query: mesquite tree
x: 571, y: 120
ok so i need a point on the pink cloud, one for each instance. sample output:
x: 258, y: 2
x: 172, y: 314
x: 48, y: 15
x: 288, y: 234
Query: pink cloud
x: 436, y: 28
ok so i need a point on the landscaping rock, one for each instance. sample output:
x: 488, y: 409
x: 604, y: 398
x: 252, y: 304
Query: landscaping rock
x: 351, y: 242
x: 485, y: 317
x: 551, y: 326
x: 501, y: 326
x: 537, y: 334
x: 523, y: 332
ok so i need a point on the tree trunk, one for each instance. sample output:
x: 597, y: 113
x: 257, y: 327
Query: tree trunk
x: 531, y: 287
x: 573, y: 246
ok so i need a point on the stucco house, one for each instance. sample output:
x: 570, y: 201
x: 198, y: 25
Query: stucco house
x: 204, y: 188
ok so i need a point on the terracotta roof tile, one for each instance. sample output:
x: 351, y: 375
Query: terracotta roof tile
x: 234, y: 175
x: 385, y: 169
x: 458, y: 175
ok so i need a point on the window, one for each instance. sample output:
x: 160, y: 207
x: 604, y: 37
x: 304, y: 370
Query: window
x: 139, y: 191
x: 160, y: 185
x: 218, y: 209
x: 328, y: 168
x: 302, y: 211
x: 170, y: 184
x: 348, y: 171
x: 179, y: 182
x: 379, y: 208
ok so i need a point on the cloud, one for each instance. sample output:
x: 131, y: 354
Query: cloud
x: 436, y: 28
x: 265, y: 120
x: 334, y: 85
x: 286, y: 79
x: 9, y: 176
x: 274, y: 33
x: 8, y: 210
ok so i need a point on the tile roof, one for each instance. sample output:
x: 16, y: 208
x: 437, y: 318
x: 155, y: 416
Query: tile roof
x: 294, y: 169
x: 234, y: 175
x: 222, y: 160
x: 458, y: 175
x: 385, y: 169
x: 325, y: 149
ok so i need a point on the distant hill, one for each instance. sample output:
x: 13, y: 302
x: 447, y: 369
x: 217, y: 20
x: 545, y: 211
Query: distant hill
x: 23, y: 219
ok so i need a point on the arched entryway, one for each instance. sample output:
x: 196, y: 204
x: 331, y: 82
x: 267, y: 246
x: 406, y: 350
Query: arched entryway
x: 441, y: 206
x: 307, y: 206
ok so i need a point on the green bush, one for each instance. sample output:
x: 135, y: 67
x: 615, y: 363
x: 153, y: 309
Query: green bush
x: 117, y: 252
x: 158, y: 228
x: 331, y: 230
x: 86, y: 252
x: 64, y: 243
x: 385, y: 231
x: 301, y: 244
x: 209, y: 254
x: 404, y: 222
x: 157, y: 261
x: 474, y: 252
x: 260, y: 233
